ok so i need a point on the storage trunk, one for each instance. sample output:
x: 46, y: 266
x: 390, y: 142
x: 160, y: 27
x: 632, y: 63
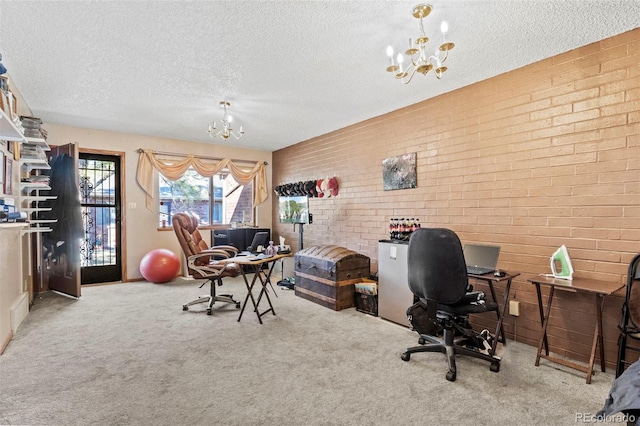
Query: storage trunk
x: 327, y: 275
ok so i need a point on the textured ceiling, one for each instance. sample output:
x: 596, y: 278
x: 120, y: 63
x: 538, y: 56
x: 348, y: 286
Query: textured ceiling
x: 292, y: 70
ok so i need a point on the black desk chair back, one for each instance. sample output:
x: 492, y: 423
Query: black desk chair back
x: 259, y: 239
x: 438, y: 277
x: 630, y: 322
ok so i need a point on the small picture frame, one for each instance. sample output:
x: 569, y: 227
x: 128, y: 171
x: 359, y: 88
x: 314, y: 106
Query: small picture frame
x: 11, y: 100
x: 14, y: 148
x: 14, y: 106
x: 8, y: 172
x: 4, y: 103
x: 2, y: 167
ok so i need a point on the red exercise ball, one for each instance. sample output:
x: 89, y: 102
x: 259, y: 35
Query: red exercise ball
x: 159, y: 266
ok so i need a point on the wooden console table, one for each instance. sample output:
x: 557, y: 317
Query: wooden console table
x: 599, y: 289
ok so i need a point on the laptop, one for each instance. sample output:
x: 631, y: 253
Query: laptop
x: 481, y: 259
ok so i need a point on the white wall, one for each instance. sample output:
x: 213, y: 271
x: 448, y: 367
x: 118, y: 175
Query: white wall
x: 140, y: 224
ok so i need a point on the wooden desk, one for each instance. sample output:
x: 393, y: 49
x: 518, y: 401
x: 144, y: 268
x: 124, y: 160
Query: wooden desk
x: 599, y: 289
x: 500, y: 311
x: 259, y: 274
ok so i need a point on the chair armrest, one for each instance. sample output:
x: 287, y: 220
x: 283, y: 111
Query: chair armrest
x: 471, y: 297
x: 216, y: 254
x: 211, y: 269
x: 232, y: 250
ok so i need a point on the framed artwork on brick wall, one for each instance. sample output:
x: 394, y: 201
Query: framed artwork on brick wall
x: 399, y: 172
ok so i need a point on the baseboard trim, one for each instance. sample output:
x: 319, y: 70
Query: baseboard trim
x: 5, y: 342
x: 19, y: 311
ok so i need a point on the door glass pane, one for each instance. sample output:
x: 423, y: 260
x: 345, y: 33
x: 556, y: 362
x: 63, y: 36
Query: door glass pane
x: 98, y: 246
x: 98, y: 204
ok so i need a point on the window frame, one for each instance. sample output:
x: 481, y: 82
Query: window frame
x: 211, y: 201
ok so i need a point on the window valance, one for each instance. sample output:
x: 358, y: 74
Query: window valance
x: 148, y: 162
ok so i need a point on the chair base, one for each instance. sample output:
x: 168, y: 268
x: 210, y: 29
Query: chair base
x: 447, y: 345
x: 211, y: 299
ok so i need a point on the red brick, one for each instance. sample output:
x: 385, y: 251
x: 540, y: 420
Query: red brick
x: 532, y: 159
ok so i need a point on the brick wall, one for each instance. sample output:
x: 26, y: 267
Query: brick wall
x: 545, y: 155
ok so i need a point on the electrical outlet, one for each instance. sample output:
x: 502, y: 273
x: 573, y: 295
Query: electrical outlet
x: 514, y: 308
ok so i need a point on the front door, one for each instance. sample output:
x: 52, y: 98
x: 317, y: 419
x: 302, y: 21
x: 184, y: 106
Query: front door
x: 100, y: 189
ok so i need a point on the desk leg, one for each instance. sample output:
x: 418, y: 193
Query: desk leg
x: 267, y: 277
x: 500, y: 312
x: 543, y: 337
x: 601, y: 333
x: 249, y: 295
x: 265, y: 291
x: 540, y: 309
x: 597, y: 339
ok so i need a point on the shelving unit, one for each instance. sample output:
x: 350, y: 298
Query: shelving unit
x: 21, y: 251
x: 8, y: 130
x: 33, y: 162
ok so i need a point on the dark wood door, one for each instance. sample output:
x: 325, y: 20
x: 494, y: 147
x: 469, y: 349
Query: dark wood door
x: 61, y: 246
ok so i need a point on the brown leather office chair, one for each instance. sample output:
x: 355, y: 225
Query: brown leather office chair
x: 203, y: 262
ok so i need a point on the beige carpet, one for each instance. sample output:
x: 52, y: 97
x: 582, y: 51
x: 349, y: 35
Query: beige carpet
x: 127, y: 354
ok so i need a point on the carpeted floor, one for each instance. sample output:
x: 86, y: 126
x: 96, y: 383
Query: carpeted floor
x: 127, y: 354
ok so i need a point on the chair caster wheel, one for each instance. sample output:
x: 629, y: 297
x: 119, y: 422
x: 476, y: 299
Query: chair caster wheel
x: 405, y: 356
x: 209, y: 312
x: 185, y: 308
x: 451, y: 376
x: 238, y: 305
x: 421, y: 341
x: 495, y: 367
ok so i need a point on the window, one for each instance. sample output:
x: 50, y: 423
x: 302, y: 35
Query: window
x: 216, y: 200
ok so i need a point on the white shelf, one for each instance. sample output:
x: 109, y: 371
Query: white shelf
x: 34, y: 230
x: 34, y: 186
x: 31, y: 198
x: 8, y: 130
x: 36, y: 209
x: 42, y: 143
x: 35, y: 164
x: 9, y: 225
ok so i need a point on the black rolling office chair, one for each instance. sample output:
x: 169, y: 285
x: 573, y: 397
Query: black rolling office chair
x: 630, y: 322
x: 438, y: 277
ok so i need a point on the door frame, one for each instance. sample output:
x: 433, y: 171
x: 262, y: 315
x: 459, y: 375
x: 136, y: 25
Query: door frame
x: 123, y: 223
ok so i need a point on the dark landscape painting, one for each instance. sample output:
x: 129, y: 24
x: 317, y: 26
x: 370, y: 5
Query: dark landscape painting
x: 399, y: 172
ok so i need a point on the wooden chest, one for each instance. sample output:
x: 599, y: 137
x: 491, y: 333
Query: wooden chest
x: 327, y: 275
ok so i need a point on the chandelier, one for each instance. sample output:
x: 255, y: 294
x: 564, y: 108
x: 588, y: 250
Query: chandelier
x: 226, y: 130
x: 420, y: 61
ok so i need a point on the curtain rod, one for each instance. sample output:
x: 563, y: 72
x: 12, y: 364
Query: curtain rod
x: 235, y: 160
